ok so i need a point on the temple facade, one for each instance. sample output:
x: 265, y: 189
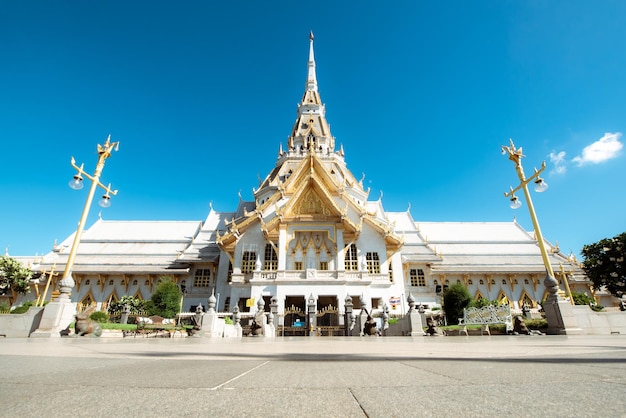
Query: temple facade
x: 311, y: 235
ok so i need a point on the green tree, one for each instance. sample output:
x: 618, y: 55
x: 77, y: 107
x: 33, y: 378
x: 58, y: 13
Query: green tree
x: 165, y: 301
x: 455, y: 299
x: 604, y: 264
x: 14, y: 276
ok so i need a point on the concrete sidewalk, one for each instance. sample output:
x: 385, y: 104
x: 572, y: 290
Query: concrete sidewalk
x: 316, y: 377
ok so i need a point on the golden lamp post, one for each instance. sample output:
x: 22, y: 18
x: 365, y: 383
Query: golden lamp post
x: 104, y: 151
x: 553, y: 313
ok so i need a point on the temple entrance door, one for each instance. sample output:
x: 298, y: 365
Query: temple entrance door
x: 294, y: 319
x: 327, y: 316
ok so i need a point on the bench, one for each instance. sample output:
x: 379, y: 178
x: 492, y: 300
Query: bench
x: 155, y: 326
x: 488, y: 315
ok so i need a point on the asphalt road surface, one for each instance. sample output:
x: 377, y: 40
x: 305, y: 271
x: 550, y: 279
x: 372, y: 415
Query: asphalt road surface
x: 524, y: 376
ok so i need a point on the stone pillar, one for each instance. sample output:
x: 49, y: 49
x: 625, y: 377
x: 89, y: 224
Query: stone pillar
x: 237, y: 321
x: 559, y: 312
x: 422, y: 312
x: 414, y: 319
x: 362, y: 315
x: 270, y: 328
x: 56, y: 318
x: 211, y: 301
x: 274, y: 306
x: 124, y: 315
x: 312, y: 320
x: 349, y: 316
x: 385, y: 319
x: 271, y: 318
x: 209, y: 322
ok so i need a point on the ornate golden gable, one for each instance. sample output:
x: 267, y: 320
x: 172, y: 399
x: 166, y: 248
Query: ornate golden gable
x: 311, y: 204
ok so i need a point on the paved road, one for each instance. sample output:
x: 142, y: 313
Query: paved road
x: 555, y: 376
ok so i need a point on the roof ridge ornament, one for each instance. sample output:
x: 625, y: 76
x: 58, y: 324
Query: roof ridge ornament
x: 311, y: 79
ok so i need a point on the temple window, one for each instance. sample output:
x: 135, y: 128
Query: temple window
x: 351, y: 262
x: 202, y: 278
x: 247, y: 262
x: 323, y: 265
x: 298, y: 265
x: 271, y: 259
x: 417, y: 277
x: 373, y: 263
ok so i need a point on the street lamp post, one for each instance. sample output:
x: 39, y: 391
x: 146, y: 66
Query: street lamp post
x: 59, y: 314
x: 552, y: 308
x: 104, y: 151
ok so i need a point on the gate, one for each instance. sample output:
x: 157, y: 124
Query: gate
x: 327, y: 320
x: 294, y: 323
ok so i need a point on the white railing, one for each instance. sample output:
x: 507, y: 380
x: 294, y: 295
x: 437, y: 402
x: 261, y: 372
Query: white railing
x: 311, y: 274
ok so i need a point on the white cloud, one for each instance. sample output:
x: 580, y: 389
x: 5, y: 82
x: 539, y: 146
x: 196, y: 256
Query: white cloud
x: 558, y: 159
x: 603, y: 149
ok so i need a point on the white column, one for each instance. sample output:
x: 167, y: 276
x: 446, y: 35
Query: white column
x: 341, y: 256
x: 282, y: 249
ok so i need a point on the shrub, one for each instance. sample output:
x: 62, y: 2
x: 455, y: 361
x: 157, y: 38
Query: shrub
x: 99, y: 316
x: 165, y: 301
x: 482, y: 302
x: 135, y: 305
x: 455, y: 299
x: 4, y: 308
x: 581, y: 298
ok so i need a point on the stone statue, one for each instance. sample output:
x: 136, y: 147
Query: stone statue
x: 256, y: 328
x: 370, y: 326
x: 85, y: 326
x: 519, y: 326
x: 433, y: 329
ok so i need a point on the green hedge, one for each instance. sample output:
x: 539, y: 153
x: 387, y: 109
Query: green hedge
x: 99, y: 316
x: 22, y: 309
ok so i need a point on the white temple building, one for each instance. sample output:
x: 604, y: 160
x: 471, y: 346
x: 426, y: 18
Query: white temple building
x: 311, y: 233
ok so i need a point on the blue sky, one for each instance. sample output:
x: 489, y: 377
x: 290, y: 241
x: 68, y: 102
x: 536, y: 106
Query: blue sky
x: 422, y: 95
